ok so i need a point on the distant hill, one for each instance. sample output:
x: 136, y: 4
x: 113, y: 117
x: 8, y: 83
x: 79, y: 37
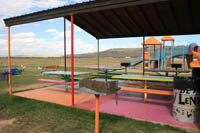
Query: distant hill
x: 115, y: 53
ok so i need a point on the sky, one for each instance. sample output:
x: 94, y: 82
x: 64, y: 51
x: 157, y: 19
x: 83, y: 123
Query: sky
x: 46, y: 37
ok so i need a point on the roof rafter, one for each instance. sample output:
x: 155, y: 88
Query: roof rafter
x: 110, y: 23
x: 145, y: 17
x: 160, y: 18
x: 88, y: 18
x: 122, y: 23
x: 133, y: 20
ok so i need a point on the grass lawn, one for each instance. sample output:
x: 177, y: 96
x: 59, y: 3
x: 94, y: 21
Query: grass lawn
x: 18, y: 115
x: 35, y: 116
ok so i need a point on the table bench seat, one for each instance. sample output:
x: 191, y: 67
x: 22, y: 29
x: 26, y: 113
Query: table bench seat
x: 160, y: 86
x: 56, y: 81
x: 149, y: 91
x: 52, y: 68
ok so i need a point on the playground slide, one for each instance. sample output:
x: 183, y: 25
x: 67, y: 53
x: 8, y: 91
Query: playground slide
x: 137, y: 63
x: 196, y: 63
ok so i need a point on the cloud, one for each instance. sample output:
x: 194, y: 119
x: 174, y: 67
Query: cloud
x: 79, y: 1
x: 3, y: 35
x: 10, y: 8
x: 56, y: 34
x: 48, y: 3
x: 27, y: 43
x: 184, y: 43
x: 24, y: 35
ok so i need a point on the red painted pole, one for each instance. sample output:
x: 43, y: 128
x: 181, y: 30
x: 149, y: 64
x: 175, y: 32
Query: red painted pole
x: 65, y: 45
x: 72, y: 57
x: 9, y: 63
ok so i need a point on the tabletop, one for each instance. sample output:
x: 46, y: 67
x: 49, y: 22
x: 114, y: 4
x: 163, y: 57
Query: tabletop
x: 143, y: 77
x: 67, y: 73
x: 105, y: 68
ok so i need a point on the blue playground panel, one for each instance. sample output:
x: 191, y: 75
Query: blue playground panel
x: 13, y: 70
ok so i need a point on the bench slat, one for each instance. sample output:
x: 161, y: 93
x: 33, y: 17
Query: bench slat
x: 158, y: 92
x: 150, y: 85
x: 56, y: 81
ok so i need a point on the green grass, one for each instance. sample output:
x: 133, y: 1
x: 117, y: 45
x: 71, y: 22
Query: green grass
x: 30, y: 76
x: 37, y: 116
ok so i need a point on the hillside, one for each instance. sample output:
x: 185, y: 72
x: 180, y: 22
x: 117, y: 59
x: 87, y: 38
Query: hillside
x: 115, y: 52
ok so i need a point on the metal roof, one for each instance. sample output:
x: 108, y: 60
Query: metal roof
x: 125, y: 18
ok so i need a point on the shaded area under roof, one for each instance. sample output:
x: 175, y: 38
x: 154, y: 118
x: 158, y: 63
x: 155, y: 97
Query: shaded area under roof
x: 125, y: 18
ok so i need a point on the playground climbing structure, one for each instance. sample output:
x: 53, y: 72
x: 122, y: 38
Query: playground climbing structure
x: 159, y: 56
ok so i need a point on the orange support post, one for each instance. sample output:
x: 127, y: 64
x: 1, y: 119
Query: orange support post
x: 72, y: 57
x: 9, y: 63
x: 97, y: 114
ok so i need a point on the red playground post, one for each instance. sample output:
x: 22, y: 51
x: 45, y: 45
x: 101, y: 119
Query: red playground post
x: 72, y: 57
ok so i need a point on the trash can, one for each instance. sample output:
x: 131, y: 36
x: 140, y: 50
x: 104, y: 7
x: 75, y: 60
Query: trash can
x: 3, y: 76
x: 196, y: 72
x: 186, y: 106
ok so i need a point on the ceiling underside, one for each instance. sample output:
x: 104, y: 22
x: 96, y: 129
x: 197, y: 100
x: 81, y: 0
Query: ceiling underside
x: 128, y: 18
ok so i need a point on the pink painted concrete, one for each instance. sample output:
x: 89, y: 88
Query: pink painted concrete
x: 156, y: 109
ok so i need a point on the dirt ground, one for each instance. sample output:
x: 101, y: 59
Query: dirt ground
x: 4, y: 123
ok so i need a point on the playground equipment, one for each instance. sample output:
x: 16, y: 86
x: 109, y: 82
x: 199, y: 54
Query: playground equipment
x: 196, y: 63
x: 147, y: 56
x: 162, y: 56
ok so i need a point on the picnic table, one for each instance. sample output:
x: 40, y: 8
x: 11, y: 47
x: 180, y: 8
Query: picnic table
x: 106, y: 70
x: 146, y: 85
x: 66, y: 76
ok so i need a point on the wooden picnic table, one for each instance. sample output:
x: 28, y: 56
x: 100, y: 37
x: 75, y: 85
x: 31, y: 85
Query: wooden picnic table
x: 146, y: 86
